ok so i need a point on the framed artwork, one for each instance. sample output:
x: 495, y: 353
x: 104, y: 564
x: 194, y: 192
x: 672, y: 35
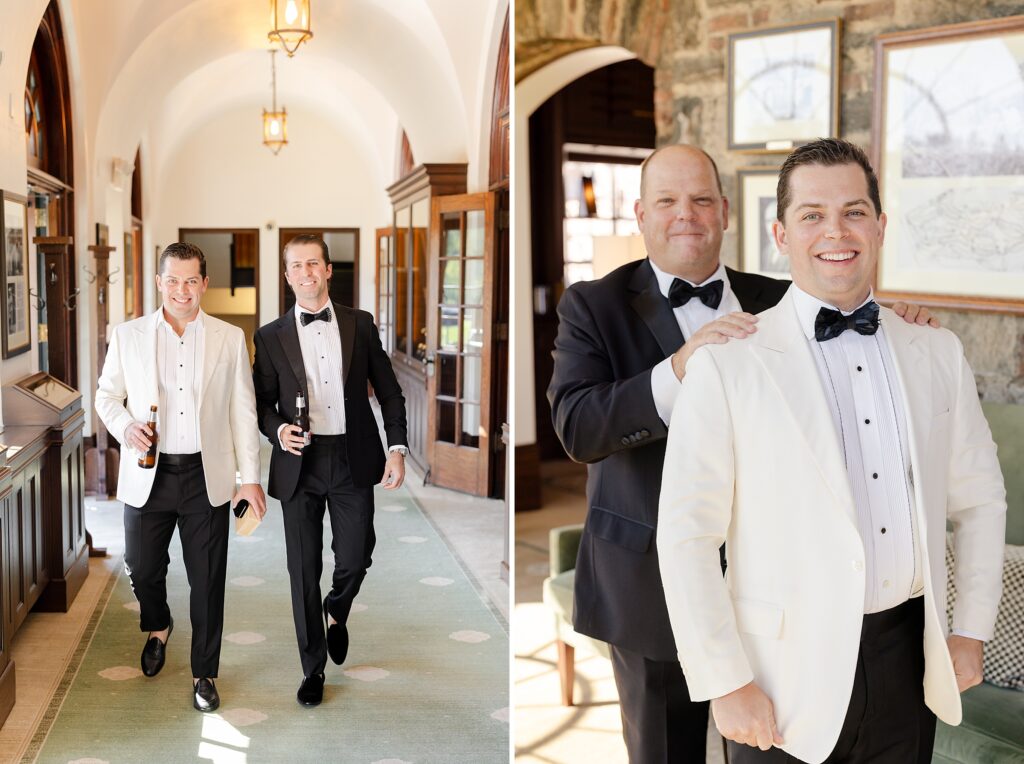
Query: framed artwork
x: 102, y: 235
x: 14, y: 265
x: 783, y: 86
x: 129, y: 276
x: 949, y: 153
x: 757, y: 205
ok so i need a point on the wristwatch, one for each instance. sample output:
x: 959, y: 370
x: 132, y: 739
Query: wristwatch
x: 401, y: 450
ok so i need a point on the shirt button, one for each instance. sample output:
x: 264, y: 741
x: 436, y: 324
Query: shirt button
x: 883, y: 530
x: 859, y: 369
x: 885, y: 584
x: 874, y: 475
x: 867, y: 421
x: 858, y: 565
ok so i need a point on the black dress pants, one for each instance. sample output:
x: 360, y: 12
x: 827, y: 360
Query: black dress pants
x: 659, y: 722
x: 325, y: 481
x: 887, y: 721
x: 178, y: 498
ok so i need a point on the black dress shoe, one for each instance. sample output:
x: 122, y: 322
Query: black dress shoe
x: 204, y: 696
x: 311, y: 691
x: 337, y: 639
x: 154, y: 653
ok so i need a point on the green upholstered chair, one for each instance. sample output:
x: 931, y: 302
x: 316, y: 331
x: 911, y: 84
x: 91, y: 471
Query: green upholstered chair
x: 557, y: 595
x: 992, y: 731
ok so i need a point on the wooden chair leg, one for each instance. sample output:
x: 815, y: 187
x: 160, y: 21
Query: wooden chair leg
x: 566, y: 670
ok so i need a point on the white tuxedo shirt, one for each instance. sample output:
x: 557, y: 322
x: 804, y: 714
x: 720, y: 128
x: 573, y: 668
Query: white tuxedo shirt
x: 228, y: 434
x: 755, y: 462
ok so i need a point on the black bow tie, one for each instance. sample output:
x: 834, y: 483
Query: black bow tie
x: 308, y: 318
x: 831, y: 323
x: 681, y: 292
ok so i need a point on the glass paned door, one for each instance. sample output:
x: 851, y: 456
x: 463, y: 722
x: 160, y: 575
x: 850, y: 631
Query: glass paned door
x: 459, y: 339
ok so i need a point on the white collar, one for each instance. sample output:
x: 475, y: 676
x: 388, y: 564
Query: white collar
x: 189, y: 327
x: 300, y: 309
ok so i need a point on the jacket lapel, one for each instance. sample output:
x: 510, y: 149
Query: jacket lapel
x: 288, y: 336
x: 748, y: 291
x: 782, y: 349
x: 213, y: 340
x: 145, y: 351
x: 347, y: 327
x: 913, y: 372
x: 654, y: 309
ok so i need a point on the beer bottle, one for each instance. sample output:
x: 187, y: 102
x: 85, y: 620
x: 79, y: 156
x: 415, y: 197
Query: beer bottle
x: 302, y: 418
x: 148, y: 460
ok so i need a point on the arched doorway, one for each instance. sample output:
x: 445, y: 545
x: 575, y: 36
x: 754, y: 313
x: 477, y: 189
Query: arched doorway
x: 48, y: 148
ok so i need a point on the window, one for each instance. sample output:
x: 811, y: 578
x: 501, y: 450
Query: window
x: 601, y: 185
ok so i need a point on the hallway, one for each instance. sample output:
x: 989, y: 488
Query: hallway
x: 429, y: 646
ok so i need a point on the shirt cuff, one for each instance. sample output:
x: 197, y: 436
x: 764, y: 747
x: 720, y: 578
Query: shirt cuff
x: 279, y: 431
x: 664, y: 388
x: 968, y: 634
x: 392, y: 449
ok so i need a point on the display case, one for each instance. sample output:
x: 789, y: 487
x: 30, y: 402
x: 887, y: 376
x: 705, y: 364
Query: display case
x: 40, y: 399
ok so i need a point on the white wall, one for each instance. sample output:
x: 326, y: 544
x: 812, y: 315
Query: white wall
x: 222, y: 176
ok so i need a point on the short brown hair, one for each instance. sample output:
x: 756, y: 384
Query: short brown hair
x: 828, y: 152
x: 643, y: 165
x: 306, y: 238
x: 182, y: 250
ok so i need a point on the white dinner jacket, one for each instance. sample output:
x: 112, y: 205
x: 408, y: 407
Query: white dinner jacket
x: 753, y: 460
x: 228, y: 433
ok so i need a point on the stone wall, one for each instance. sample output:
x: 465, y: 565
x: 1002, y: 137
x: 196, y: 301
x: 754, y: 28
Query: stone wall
x: 687, y: 45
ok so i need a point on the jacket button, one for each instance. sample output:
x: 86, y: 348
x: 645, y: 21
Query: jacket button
x: 645, y: 433
x: 858, y: 565
x: 625, y: 441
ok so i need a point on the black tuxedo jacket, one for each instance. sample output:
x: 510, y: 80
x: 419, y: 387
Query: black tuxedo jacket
x: 611, y: 334
x: 279, y: 374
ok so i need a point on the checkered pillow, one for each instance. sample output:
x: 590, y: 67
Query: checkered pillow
x: 1004, y: 653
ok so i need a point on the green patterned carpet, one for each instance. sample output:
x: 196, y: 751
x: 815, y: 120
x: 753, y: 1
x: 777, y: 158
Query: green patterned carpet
x: 426, y: 679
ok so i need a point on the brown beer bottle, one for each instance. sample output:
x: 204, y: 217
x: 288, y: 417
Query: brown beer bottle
x: 148, y: 460
x: 302, y: 418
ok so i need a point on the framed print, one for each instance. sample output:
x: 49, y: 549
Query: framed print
x: 102, y: 235
x: 783, y: 86
x: 758, y: 253
x: 949, y: 153
x: 14, y: 265
x: 129, y: 277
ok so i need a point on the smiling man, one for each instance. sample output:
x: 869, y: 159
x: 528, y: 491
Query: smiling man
x: 195, y: 369
x: 622, y: 347
x: 828, y: 451
x: 327, y: 353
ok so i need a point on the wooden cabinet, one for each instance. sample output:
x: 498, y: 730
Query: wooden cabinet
x: 48, y: 413
x: 7, y: 688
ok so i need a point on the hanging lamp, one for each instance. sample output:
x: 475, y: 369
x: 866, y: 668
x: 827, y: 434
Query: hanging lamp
x: 289, y: 24
x: 275, y: 123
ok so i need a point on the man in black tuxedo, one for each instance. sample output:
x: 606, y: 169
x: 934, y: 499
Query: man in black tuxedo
x: 621, y: 350
x: 328, y: 352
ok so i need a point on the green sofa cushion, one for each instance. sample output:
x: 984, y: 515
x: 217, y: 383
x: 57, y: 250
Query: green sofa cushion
x: 992, y: 731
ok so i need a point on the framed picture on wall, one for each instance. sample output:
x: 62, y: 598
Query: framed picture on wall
x: 14, y: 265
x: 783, y: 86
x: 129, y: 277
x: 949, y: 152
x: 102, y: 235
x: 756, y: 213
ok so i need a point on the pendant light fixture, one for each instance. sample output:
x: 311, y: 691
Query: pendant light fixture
x: 275, y: 123
x: 289, y: 24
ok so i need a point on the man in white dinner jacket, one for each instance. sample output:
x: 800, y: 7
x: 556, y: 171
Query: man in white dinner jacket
x: 827, y: 450
x: 195, y: 369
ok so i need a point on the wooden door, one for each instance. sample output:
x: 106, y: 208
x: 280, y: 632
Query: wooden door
x: 460, y: 326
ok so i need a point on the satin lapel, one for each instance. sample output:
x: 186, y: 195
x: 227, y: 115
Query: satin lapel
x: 347, y: 327
x: 145, y: 352
x: 651, y: 305
x: 913, y: 372
x: 288, y: 336
x: 213, y: 340
x: 782, y: 349
x: 750, y: 294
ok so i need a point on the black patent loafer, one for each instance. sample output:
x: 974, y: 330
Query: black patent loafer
x: 337, y: 639
x: 154, y: 653
x: 311, y: 691
x: 204, y: 696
